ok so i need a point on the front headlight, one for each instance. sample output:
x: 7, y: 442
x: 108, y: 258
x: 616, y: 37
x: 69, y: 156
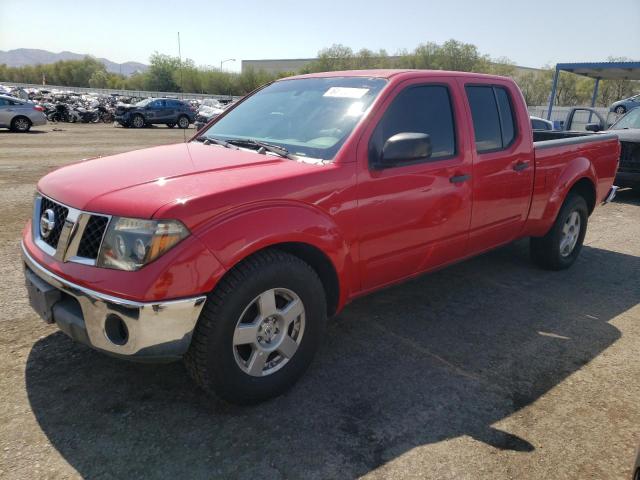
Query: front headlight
x: 131, y: 243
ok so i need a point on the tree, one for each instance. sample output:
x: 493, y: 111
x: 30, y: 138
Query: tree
x: 535, y: 86
x: 162, y: 73
x: 99, y: 79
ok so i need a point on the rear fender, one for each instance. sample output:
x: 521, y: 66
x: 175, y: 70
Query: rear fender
x: 574, y: 171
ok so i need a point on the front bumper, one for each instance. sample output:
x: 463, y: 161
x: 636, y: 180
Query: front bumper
x: 153, y: 331
x: 628, y: 179
x: 611, y: 194
x: 124, y: 118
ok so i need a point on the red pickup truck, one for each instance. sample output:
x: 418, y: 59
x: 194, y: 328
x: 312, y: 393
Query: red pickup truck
x: 230, y: 250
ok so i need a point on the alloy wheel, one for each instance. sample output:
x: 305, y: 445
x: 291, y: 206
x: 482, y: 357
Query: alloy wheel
x: 268, y: 332
x: 570, y: 234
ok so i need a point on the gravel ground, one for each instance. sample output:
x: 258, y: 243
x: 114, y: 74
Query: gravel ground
x: 490, y: 369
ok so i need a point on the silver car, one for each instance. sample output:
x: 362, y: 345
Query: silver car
x: 20, y: 115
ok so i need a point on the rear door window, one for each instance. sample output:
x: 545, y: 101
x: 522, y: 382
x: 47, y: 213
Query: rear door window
x: 492, y: 113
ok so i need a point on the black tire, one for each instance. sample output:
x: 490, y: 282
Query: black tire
x: 183, y: 121
x: 137, y: 121
x: 171, y: 125
x: 21, y: 124
x: 211, y: 360
x: 545, y: 251
x: 620, y: 109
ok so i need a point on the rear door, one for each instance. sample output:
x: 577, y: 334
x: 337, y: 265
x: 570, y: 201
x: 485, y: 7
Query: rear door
x: 502, y: 165
x: 171, y: 110
x: 6, y: 112
x: 415, y: 216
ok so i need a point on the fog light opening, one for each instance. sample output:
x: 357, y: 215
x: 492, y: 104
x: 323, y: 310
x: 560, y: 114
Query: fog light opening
x: 116, y: 330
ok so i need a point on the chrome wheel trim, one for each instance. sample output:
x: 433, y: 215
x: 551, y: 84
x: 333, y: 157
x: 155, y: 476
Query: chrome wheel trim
x: 21, y: 124
x: 570, y: 233
x: 269, y: 331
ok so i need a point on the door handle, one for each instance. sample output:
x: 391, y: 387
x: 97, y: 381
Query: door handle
x: 518, y: 167
x: 459, y: 178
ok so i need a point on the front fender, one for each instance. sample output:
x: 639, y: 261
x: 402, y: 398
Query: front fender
x: 241, y: 233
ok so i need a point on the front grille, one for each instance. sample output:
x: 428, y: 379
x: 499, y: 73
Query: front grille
x: 92, y: 237
x: 60, y: 213
x: 629, y: 157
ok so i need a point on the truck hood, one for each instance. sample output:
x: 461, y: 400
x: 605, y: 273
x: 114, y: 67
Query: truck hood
x: 139, y: 183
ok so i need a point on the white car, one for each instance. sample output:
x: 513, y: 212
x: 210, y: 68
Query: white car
x: 20, y: 115
x: 538, y: 123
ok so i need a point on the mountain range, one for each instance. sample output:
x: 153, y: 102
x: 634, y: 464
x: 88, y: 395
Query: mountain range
x: 21, y: 57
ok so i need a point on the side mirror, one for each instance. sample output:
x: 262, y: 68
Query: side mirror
x: 593, y: 127
x: 405, y: 148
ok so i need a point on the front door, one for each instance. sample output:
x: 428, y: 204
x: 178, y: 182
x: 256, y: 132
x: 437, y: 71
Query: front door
x: 414, y: 217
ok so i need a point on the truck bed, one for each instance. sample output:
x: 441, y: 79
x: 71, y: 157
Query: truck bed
x: 557, y: 154
x: 540, y: 136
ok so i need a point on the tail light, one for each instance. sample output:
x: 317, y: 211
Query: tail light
x: 38, y: 108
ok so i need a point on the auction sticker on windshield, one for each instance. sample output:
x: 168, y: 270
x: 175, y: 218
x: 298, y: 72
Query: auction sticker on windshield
x: 346, y: 92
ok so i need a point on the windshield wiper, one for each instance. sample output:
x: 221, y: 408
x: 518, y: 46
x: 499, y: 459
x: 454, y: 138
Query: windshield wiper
x: 215, y: 141
x: 262, y: 147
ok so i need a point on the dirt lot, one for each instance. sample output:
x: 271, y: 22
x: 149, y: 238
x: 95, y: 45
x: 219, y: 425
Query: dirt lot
x: 491, y: 369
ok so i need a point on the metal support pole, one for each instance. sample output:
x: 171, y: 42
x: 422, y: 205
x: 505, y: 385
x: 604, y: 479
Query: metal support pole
x: 594, y: 97
x: 554, y: 87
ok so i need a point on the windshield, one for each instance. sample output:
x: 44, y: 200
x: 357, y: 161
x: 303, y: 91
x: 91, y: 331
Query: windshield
x: 310, y: 117
x: 144, y: 103
x: 630, y: 120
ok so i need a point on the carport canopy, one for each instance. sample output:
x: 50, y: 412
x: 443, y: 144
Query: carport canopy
x: 598, y: 71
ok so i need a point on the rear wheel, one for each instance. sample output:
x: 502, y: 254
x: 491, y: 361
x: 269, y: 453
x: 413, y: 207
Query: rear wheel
x: 183, y: 122
x: 137, y: 121
x: 259, y: 329
x: 21, y: 124
x: 560, y: 247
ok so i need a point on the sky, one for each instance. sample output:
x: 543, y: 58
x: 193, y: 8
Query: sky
x: 531, y: 33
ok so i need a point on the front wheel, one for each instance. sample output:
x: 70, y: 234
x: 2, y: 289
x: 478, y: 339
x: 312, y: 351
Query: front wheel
x: 137, y: 121
x: 560, y: 247
x: 259, y: 329
x: 620, y: 110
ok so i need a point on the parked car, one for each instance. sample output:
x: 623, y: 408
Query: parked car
x: 209, y: 110
x: 623, y: 106
x: 20, y: 115
x: 230, y: 250
x: 151, y: 111
x: 627, y: 128
x: 538, y: 123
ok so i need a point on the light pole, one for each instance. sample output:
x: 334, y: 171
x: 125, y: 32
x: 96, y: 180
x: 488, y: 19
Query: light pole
x: 221, y: 63
x: 225, y: 61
